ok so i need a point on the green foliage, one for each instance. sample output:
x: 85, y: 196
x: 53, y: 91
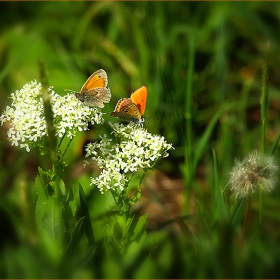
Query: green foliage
x: 209, y: 94
x: 52, y: 220
x: 85, y: 213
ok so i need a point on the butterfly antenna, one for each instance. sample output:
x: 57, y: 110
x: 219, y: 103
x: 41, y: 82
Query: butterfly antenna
x: 69, y: 90
x: 151, y: 118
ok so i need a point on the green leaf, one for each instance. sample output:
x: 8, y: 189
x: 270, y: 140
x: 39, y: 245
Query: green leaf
x: 71, y: 204
x: 41, y: 189
x: 108, y: 246
x: 52, y: 220
x: 221, y: 213
x: 41, y: 171
x: 59, y: 168
x: 274, y: 145
x: 138, y: 229
x: 85, y: 212
x: 58, y: 186
x: 88, y: 255
x: 137, y: 195
x: 238, y: 213
x: 204, y: 139
x: 42, y: 200
x: 62, y: 187
x: 76, y: 236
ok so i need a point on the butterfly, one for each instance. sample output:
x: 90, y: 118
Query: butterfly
x: 95, y: 91
x: 132, y: 109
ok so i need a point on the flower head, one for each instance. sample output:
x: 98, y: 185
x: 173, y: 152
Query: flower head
x: 28, y: 123
x: 254, y: 172
x: 137, y: 149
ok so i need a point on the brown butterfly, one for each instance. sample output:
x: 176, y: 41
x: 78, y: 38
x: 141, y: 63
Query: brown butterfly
x: 132, y: 109
x: 95, y: 91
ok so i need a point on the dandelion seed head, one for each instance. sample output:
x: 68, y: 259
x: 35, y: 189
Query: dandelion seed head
x: 254, y: 172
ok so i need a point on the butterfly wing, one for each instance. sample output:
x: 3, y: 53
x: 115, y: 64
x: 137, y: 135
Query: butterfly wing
x: 126, y: 110
x: 121, y: 103
x: 97, y: 97
x: 139, y: 97
x: 98, y: 79
x: 95, y: 91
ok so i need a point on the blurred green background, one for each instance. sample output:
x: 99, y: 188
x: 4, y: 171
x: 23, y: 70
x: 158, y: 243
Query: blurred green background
x: 201, y: 62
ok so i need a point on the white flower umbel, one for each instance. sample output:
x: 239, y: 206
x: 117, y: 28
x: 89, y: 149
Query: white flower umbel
x: 26, y: 114
x: 254, y: 172
x: 135, y: 149
x: 71, y: 115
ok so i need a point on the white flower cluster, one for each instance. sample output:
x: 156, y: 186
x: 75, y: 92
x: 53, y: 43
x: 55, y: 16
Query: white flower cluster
x: 28, y: 123
x: 254, y: 172
x: 136, y: 149
x: 72, y: 115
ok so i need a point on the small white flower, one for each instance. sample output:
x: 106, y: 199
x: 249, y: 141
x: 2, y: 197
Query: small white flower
x: 135, y: 149
x: 254, y: 172
x: 28, y: 123
x: 71, y: 115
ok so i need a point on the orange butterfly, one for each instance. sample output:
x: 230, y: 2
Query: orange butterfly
x: 95, y: 91
x: 132, y: 109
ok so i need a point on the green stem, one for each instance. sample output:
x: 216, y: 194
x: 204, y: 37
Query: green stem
x: 264, y: 102
x: 188, y: 174
x: 246, y: 219
x: 142, y: 177
x: 70, y: 141
x: 263, y: 136
x: 121, y: 201
x: 56, y: 181
x: 48, y: 111
x: 260, y: 206
x: 60, y: 142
